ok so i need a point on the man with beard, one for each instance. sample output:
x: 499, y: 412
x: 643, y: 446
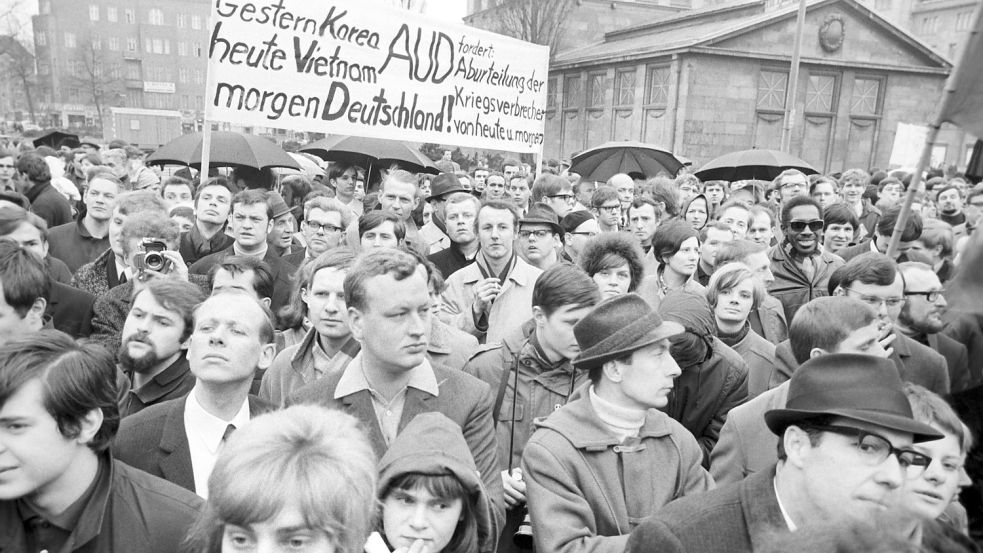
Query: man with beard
x: 801, y: 269
x: 151, y: 356
x: 460, y: 213
x: 950, y: 203
x: 921, y: 319
x: 213, y: 201
x: 80, y: 242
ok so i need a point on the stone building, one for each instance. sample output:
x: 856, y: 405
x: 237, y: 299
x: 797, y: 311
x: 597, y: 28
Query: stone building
x: 713, y: 80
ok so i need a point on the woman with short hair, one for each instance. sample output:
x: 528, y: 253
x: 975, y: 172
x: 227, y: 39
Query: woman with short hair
x: 613, y: 260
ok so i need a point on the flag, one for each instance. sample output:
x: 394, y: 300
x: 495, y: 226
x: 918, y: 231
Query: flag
x: 964, y: 106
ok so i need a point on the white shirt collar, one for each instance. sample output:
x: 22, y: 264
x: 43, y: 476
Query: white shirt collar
x: 788, y: 520
x: 204, y: 431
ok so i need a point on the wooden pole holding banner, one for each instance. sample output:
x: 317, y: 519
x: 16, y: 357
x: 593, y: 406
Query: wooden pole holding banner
x: 951, y: 85
x: 793, y: 79
x: 206, y: 150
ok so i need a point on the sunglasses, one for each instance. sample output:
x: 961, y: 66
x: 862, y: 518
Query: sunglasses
x: 799, y: 226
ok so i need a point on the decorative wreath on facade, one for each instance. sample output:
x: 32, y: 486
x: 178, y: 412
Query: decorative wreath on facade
x: 832, y: 32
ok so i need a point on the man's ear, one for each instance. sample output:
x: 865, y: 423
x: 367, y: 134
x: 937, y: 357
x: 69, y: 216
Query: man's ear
x: 266, y: 354
x: 539, y: 316
x: 797, y: 445
x: 613, y: 371
x: 356, y: 323
x: 839, y: 291
x: 35, y: 315
x: 89, y: 426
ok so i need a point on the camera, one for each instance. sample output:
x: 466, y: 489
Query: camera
x: 522, y: 538
x: 151, y: 258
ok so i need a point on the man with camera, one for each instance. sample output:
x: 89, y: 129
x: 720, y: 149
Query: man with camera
x: 150, y: 244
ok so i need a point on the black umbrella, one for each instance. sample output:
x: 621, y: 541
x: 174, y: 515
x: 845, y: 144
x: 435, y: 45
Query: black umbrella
x: 228, y: 149
x: 367, y: 152
x: 602, y: 162
x: 752, y: 165
x: 56, y: 139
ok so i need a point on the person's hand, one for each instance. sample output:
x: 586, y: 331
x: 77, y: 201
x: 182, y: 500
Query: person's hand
x: 886, y: 342
x: 418, y: 546
x: 178, y: 267
x: 485, y: 292
x: 515, y: 488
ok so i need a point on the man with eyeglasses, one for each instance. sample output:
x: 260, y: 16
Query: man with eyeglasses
x: 554, y: 191
x: 791, y: 183
x: 921, y: 319
x: 874, y: 279
x: 7, y: 170
x: 606, y: 206
x: 882, y: 236
x: 325, y: 220
x: 800, y: 267
x: 845, y: 452
x: 579, y: 228
x: 540, y: 237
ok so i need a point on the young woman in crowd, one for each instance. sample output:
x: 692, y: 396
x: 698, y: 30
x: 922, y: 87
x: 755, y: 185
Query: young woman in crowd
x: 733, y: 291
x: 931, y: 500
x: 676, y: 246
x: 840, y: 226
x: 300, y: 480
x: 697, y: 212
x: 614, y: 261
x: 430, y: 496
x: 292, y: 318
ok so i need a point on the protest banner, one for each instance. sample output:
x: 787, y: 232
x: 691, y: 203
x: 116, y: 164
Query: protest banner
x: 908, y: 142
x: 366, y: 69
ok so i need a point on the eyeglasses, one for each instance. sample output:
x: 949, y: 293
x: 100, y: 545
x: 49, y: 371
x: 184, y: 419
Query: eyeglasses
x: 875, y: 449
x: 326, y: 227
x: 875, y: 301
x: 539, y: 234
x: 815, y: 225
x: 797, y: 185
x: 610, y: 208
x: 565, y: 197
x: 932, y: 295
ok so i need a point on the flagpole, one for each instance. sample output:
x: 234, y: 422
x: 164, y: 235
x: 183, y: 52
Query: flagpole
x: 951, y: 84
x: 793, y: 79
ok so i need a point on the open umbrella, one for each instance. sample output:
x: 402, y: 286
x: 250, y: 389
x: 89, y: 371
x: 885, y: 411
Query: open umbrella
x: 56, y: 139
x: 752, y: 165
x: 308, y: 167
x: 609, y: 159
x: 365, y: 152
x: 229, y: 149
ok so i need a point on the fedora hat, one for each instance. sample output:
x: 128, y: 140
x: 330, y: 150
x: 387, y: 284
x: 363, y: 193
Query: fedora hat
x: 541, y: 214
x: 859, y: 387
x: 277, y: 205
x: 444, y: 184
x: 617, y: 327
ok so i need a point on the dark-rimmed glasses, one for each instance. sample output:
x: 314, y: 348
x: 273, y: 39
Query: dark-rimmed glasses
x: 931, y: 295
x: 326, y: 227
x: 874, y: 449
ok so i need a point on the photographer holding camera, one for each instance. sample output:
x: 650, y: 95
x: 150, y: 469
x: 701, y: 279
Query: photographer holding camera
x: 150, y: 249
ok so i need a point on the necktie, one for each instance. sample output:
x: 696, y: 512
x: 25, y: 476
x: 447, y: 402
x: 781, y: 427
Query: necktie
x: 228, y: 432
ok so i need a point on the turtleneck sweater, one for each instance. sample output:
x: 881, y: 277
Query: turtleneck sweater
x: 623, y: 422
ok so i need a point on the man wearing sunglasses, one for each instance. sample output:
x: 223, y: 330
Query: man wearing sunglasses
x: 801, y: 268
x: 921, y: 319
x: 844, y: 453
x: 874, y: 279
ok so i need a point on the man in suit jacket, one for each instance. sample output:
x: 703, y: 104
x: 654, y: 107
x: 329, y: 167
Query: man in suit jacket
x: 874, y: 279
x: 178, y: 440
x: 390, y: 381
x: 921, y: 319
x: 836, y: 404
x: 71, y: 310
x: 252, y: 221
x: 825, y: 325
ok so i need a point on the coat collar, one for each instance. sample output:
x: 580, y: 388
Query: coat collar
x: 760, y: 506
x: 577, y: 421
x: 175, y: 461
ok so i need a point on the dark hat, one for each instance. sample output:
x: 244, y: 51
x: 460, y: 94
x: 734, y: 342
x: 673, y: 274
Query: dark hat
x: 541, y: 214
x: 444, y: 184
x: 618, y: 326
x: 277, y: 205
x: 860, y: 387
x: 574, y: 219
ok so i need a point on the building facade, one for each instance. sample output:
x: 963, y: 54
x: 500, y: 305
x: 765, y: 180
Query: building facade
x: 16, y: 80
x: 96, y: 54
x: 714, y: 80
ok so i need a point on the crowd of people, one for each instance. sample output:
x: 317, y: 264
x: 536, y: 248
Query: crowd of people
x: 482, y: 361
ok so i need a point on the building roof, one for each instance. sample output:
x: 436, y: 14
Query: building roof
x: 705, y: 28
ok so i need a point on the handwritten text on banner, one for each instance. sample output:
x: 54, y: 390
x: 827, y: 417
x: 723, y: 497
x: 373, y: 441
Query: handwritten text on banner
x: 365, y: 69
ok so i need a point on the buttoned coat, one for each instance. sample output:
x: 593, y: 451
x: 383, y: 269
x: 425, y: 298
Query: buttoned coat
x: 511, y: 308
x: 792, y: 287
x: 587, y: 489
x: 155, y: 440
x: 746, y: 445
x: 738, y: 518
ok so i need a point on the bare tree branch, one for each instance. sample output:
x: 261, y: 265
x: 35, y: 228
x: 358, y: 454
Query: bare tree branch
x: 411, y: 5
x: 536, y: 21
x: 99, y: 79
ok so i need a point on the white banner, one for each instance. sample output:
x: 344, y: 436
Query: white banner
x: 909, y: 141
x: 365, y: 69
